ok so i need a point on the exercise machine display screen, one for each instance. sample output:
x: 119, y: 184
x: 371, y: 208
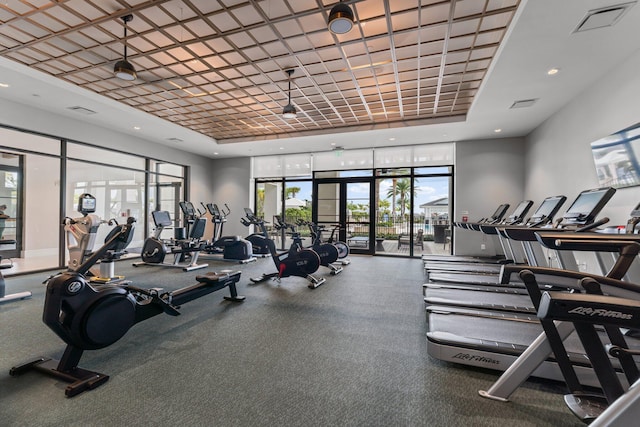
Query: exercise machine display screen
x: 161, y: 218
x: 549, y: 207
x: 86, y: 204
x: 499, y: 213
x: 521, y: 209
x: 187, y: 208
x: 588, y: 204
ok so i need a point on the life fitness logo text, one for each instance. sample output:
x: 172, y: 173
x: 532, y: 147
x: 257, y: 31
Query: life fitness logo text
x: 74, y: 287
x: 600, y: 312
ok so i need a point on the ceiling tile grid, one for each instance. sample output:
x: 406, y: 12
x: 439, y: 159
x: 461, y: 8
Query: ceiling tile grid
x: 218, y: 66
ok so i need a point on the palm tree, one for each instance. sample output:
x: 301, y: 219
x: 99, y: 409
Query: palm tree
x: 403, y: 190
x: 392, y: 193
x: 292, y: 191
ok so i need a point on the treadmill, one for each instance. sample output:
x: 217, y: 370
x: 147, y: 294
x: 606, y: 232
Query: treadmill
x: 516, y: 217
x: 493, y: 339
x: 515, y: 298
x: 628, y: 247
x: 493, y: 219
x: 588, y: 203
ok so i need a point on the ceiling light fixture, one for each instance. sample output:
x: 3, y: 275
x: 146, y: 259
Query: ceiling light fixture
x: 553, y: 71
x: 340, y: 19
x: 289, y: 111
x: 124, y: 69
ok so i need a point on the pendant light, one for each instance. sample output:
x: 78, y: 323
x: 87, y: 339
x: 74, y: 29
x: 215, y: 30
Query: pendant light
x: 340, y: 18
x: 124, y: 69
x: 289, y: 111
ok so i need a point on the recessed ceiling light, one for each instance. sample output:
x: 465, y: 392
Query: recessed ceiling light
x: 4, y: 85
x: 392, y: 139
x: 497, y: 130
x: 282, y: 148
x: 215, y: 153
x: 553, y: 71
x: 136, y: 127
x: 333, y: 143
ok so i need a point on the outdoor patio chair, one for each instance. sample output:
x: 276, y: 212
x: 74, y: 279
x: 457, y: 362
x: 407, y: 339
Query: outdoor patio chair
x: 418, y: 239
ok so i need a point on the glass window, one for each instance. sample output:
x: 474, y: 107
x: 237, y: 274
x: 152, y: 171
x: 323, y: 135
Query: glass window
x: 298, y: 165
x: 40, y: 213
x: 297, y: 204
x: 29, y: 141
x: 166, y: 192
x: 269, y: 204
x: 166, y: 168
x: 344, y: 174
x: 433, y: 170
x: 100, y: 155
x: 113, y: 189
x: 343, y: 160
x: 393, y: 172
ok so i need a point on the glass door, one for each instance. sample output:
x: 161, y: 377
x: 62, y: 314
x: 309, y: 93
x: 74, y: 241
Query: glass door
x: 10, y: 207
x: 347, y: 203
x: 268, y: 205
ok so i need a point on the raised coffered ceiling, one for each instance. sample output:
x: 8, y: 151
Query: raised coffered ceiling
x: 217, y: 66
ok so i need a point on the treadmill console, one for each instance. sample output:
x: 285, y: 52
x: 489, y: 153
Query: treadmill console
x: 499, y: 213
x: 519, y: 212
x: 633, y: 221
x: 587, y: 206
x: 546, y: 211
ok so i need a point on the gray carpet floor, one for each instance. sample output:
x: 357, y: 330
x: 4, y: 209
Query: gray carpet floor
x: 349, y: 353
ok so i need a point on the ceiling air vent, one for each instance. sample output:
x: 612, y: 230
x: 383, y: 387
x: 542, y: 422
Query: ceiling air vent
x: 603, y: 17
x: 524, y: 103
x: 82, y: 110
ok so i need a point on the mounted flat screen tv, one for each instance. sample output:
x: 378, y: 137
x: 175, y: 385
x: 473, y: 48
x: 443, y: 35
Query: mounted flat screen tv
x: 616, y: 158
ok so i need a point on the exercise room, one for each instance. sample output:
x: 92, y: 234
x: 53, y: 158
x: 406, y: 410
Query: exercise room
x: 319, y: 213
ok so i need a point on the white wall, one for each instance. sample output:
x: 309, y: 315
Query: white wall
x: 558, y: 152
x: 230, y: 183
x: 487, y: 173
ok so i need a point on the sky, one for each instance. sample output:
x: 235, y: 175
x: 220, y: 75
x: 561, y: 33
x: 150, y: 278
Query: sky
x: 428, y: 189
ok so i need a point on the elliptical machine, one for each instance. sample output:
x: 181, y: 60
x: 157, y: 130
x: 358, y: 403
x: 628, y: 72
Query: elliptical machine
x: 294, y: 262
x: 81, y: 236
x: 232, y: 248
x: 154, y: 250
x: 259, y: 246
x: 91, y: 317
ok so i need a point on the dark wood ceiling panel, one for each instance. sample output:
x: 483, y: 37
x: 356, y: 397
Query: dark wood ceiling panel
x: 218, y: 66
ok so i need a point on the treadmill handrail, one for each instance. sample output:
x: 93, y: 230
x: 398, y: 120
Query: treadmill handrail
x: 550, y: 273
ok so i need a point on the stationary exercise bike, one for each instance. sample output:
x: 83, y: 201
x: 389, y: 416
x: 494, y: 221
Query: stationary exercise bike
x: 327, y: 252
x: 294, y: 262
x: 93, y: 316
x: 81, y: 236
x: 343, y: 248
